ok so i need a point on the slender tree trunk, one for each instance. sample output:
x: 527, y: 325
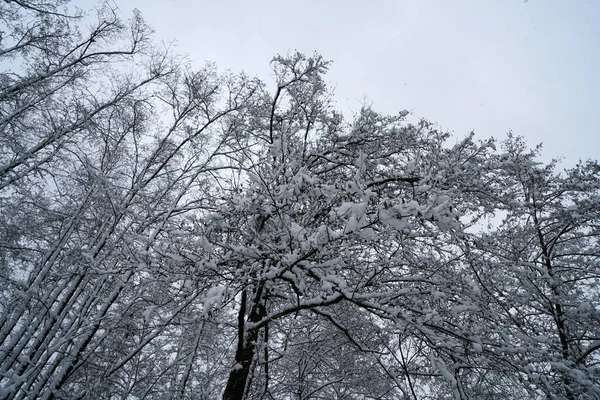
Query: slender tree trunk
x: 246, y: 348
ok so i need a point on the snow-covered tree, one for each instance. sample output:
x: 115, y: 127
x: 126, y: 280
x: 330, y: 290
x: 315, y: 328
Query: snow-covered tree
x: 539, y: 272
x: 106, y: 145
x: 364, y: 213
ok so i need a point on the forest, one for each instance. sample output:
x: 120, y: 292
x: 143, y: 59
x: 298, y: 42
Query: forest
x: 169, y: 232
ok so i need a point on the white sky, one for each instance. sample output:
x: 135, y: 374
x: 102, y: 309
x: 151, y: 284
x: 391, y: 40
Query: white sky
x: 483, y: 65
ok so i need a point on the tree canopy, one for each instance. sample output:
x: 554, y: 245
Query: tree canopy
x: 169, y: 232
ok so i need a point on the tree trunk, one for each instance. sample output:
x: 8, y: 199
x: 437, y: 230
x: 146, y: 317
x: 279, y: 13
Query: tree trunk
x: 246, y: 347
x: 236, y: 384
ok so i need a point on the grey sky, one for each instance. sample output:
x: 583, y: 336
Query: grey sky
x: 482, y: 65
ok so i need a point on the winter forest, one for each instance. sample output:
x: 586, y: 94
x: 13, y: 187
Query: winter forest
x: 177, y: 233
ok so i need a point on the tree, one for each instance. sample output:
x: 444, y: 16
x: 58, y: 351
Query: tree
x: 337, y: 213
x: 95, y: 187
x: 539, y: 271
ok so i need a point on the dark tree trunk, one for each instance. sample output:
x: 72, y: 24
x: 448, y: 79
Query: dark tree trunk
x: 236, y: 384
x: 246, y: 347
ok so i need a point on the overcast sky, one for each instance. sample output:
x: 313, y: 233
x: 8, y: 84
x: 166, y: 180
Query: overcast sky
x: 485, y: 65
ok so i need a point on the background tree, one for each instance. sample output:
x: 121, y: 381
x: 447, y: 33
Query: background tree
x: 539, y: 271
x: 95, y: 187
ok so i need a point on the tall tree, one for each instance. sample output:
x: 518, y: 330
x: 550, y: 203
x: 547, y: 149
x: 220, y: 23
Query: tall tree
x: 107, y: 143
x: 539, y: 271
x: 337, y: 212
